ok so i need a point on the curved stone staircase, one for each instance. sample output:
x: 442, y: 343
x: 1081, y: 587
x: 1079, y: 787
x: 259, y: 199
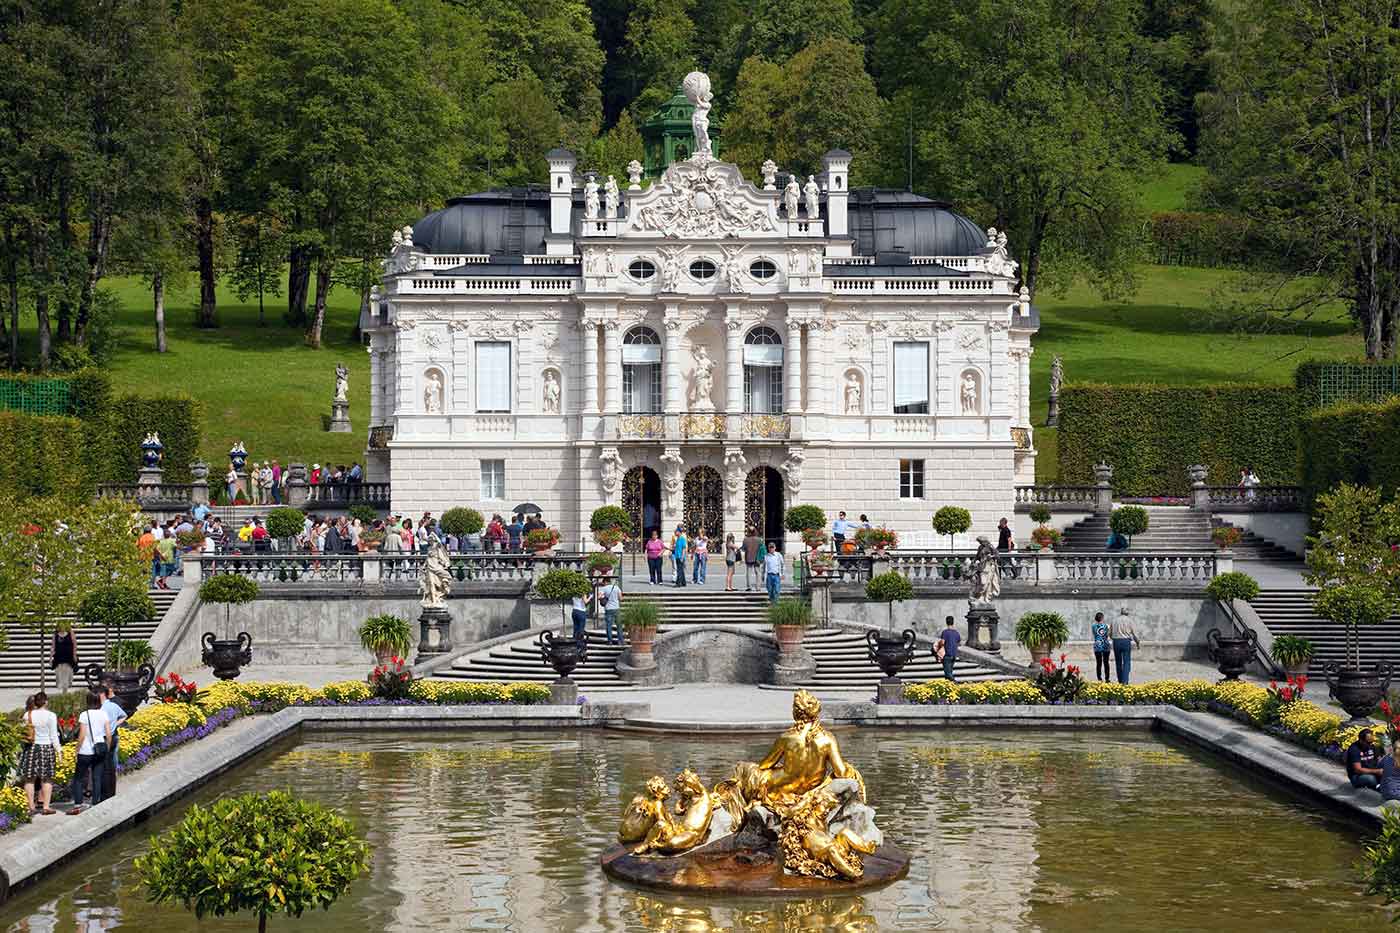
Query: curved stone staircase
x: 19, y: 664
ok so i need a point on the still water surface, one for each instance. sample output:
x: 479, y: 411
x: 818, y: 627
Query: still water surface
x: 1047, y: 831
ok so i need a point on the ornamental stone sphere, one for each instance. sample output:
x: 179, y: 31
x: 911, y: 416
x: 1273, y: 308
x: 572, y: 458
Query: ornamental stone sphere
x: 696, y: 86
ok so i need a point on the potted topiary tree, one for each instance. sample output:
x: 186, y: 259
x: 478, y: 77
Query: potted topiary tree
x: 888, y: 650
x: 563, y: 653
x: 1225, y: 536
x: 1041, y: 633
x: 951, y: 520
x: 808, y: 521
x: 462, y: 522
x: 388, y: 636
x: 610, y: 524
x: 119, y: 606
x: 1040, y: 514
x: 227, y: 655
x: 284, y: 524
x: 367, y: 514
x: 790, y: 618
x: 129, y: 667
x: 260, y: 853
x: 1129, y: 520
x: 1293, y: 654
x: 600, y: 564
x: 1232, y: 651
x: 1356, y: 569
x: 640, y: 618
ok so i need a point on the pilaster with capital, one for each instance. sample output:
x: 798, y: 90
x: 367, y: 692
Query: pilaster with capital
x: 733, y: 360
x: 461, y: 373
x: 588, y: 332
x: 670, y: 358
x: 1025, y: 368
x: 792, y: 363
x: 612, y: 361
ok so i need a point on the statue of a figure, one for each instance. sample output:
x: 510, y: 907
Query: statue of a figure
x: 611, y: 463
x: 551, y: 392
x: 647, y: 819
x: 436, y: 581
x: 670, y: 273
x: 986, y: 574
x: 634, y: 176
x: 432, y: 394
x: 769, y: 170
x: 697, y: 91
x: 610, y: 198
x: 734, y: 273
x: 590, y: 198
x: 342, y: 382
x: 810, y: 192
x: 734, y: 464
x: 810, y: 847
x: 673, y: 468
x: 1057, y: 374
x: 852, y: 394
x: 791, y: 194
x: 610, y: 262
x: 702, y: 381
x: 792, y: 469
x: 971, y: 405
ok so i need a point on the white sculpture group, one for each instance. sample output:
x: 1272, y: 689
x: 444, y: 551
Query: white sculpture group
x: 702, y: 381
x: 809, y: 193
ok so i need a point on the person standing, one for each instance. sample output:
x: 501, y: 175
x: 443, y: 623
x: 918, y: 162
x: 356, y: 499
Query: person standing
x: 751, y: 569
x: 94, y: 735
x: 655, y: 547
x: 1362, y: 761
x: 231, y: 483
x: 1124, y: 640
x: 731, y: 557
x: 276, y: 483
x: 701, y: 551
x: 40, y: 755
x: 116, y: 716
x: 950, y: 639
x: 514, y: 532
x: 165, y: 548
x: 839, y: 529
x: 580, y: 617
x: 773, y: 571
x: 65, y: 656
x: 1004, y: 542
x: 679, y: 545
x: 610, y: 598
x: 1101, y: 648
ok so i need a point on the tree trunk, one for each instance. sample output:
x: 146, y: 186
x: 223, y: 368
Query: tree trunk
x: 99, y: 239
x: 12, y: 297
x: 67, y: 239
x: 41, y: 317
x: 298, y: 280
x: 257, y: 245
x: 158, y: 299
x: 318, y: 314
x: 262, y: 922
x: 204, y: 246
x: 1030, y: 273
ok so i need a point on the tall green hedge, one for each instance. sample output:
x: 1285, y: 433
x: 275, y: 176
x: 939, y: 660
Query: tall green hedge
x: 1353, y: 442
x: 1152, y: 433
x: 1195, y: 238
x: 176, y: 418
x: 84, y: 394
x: 46, y: 455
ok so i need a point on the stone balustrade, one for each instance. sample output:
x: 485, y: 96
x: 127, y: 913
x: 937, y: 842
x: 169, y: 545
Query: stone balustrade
x: 1057, y: 495
x: 348, y: 494
x: 1255, y: 498
x: 942, y: 569
x: 372, y: 567
x: 144, y: 493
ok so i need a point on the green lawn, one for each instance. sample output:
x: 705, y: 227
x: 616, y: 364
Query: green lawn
x: 261, y: 385
x: 1169, y: 191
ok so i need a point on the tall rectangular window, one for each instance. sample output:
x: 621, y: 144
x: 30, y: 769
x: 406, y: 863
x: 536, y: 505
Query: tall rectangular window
x: 911, y: 378
x: 911, y: 479
x: 493, y: 479
x: 493, y: 376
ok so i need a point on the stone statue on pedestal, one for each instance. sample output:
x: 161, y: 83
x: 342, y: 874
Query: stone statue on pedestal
x: 590, y: 198
x: 791, y: 194
x: 810, y: 192
x: 697, y: 91
x: 1057, y: 379
x: 611, y: 198
x: 702, y: 381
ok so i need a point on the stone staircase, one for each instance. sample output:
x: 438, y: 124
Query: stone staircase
x: 843, y: 662
x: 1252, y: 547
x: 19, y: 664
x: 1290, y: 612
x: 1169, y: 528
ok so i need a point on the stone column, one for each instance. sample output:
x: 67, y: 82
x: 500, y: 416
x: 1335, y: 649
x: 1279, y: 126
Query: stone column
x: 1023, y: 406
x: 733, y: 360
x: 612, y: 372
x: 792, y: 363
x: 670, y: 360
x: 589, y: 330
x: 1200, y: 495
x: 199, y: 485
x: 1103, y: 493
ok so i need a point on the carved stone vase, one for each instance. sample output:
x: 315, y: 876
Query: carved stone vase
x: 131, y: 687
x: 890, y: 654
x: 227, y: 655
x: 1232, y: 653
x: 1359, y: 689
x: 563, y: 654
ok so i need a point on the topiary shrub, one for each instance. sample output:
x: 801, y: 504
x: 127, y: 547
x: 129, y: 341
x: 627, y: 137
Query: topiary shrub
x: 890, y: 587
x: 563, y: 585
x: 117, y: 606
x: 1129, y: 520
x: 387, y: 633
x: 367, y: 514
x: 1040, y: 514
x: 259, y: 853
x: 461, y: 521
x: 1227, y: 587
x: 229, y: 589
x: 610, y: 516
x: 802, y: 518
x: 951, y: 520
x: 286, y: 522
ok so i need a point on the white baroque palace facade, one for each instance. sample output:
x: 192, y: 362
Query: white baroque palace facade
x: 703, y: 351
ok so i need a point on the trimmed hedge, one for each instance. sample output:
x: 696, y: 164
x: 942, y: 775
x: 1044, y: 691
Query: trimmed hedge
x: 89, y: 393
x: 45, y: 455
x: 176, y: 418
x: 1152, y: 433
x: 1197, y: 238
x: 1351, y: 442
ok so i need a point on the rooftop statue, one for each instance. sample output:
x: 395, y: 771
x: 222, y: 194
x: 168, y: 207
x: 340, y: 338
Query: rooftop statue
x: 697, y: 91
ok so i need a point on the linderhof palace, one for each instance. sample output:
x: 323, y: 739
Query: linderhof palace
x: 701, y: 350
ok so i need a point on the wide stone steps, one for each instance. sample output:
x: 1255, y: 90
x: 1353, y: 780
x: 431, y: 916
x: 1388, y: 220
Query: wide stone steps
x: 843, y: 662
x: 1252, y: 547
x: 1290, y: 612
x: 1169, y: 528
x: 20, y: 663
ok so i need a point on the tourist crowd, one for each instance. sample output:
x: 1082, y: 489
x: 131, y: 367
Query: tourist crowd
x: 265, y: 483
x: 96, y: 731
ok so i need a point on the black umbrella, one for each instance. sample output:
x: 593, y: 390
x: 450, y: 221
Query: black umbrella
x: 526, y: 508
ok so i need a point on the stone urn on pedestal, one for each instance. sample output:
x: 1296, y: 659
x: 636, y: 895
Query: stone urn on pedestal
x: 889, y: 650
x: 563, y: 652
x: 129, y: 668
x: 1232, y: 652
x: 227, y: 655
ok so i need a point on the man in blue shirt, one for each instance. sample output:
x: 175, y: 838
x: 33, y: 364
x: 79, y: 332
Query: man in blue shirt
x: 116, y: 716
x: 1389, y: 784
x: 678, y: 547
x: 950, y: 639
x: 839, y: 529
x: 200, y: 512
x: 1363, y: 769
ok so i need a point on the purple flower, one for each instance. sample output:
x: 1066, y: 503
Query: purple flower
x: 6, y: 822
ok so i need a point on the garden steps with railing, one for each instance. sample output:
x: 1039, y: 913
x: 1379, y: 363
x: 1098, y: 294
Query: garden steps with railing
x: 19, y: 664
x: 1169, y: 528
x: 1290, y: 612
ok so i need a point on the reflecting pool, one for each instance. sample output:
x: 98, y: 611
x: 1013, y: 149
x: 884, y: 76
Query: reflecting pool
x: 1045, y: 831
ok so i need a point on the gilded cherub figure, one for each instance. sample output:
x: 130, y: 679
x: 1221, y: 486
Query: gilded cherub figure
x: 808, y: 847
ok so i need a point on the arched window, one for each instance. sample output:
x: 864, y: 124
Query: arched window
x: 641, y: 370
x: 763, y: 371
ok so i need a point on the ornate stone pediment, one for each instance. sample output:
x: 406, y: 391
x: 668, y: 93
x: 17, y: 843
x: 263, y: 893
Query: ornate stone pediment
x: 701, y: 198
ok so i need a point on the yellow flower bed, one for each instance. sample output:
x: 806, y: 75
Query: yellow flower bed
x: 14, y: 804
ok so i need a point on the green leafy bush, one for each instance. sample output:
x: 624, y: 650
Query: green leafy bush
x: 367, y: 514
x: 228, y: 588
x: 610, y: 517
x: 889, y: 587
x: 387, y: 633
x: 1381, y: 863
x: 462, y: 521
x: 46, y: 455
x: 600, y: 562
x: 1035, y: 629
x: 790, y: 611
x: 117, y: 606
x: 639, y: 613
x: 563, y: 585
x: 802, y: 518
x: 260, y: 853
x: 952, y: 520
x: 1209, y: 239
x: 129, y: 654
x: 1228, y: 587
x: 286, y: 522
x: 1129, y: 520
x: 1291, y: 650
x: 176, y: 418
x: 1152, y: 433
x: 1040, y: 514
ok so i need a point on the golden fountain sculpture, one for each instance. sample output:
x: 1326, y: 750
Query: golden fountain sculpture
x: 793, y: 821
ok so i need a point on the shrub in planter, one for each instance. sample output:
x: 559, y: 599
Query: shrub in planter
x: 1045, y: 536
x: 790, y: 611
x: 1292, y: 652
x: 461, y: 521
x: 1041, y: 632
x: 286, y: 522
x: 952, y: 520
x: 564, y: 586
x: 1129, y: 520
x: 392, y: 679
x: 611, y: 518
x: 387, y: 636
x: 541, y: 539
x: 600, y: 563
x: 1227, y: 587
x: 229, y: 589
x: 877, y: 539
x: 639, y: 613
x: 821, y: 562
x: 1061, y: 683
x: 814, y: 538
x: 890, y: 587
x: 802, y: 518
x: 1225, y: 536
x: 258, y: 853
x: 129, y: 654
x: 1040, y: 514
x: 367, y: 514
x: 189, y: 540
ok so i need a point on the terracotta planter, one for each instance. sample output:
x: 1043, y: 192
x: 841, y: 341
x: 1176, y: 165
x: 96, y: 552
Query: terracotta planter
x: 541, y: 549
x: 789, y: 637
x: 383, y: 655
x: 1298, y: 670
x: 640, y: 638
x: 369, y: 546
x: 848, y: 547
x: 1041, y: 652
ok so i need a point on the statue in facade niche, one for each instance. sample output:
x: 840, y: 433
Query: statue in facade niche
x: 610, y: 462
x: 432, y: 394
x: 852, y: 394
x: 342, y: 382
x: 792, y: 469
x: 673, y: 466
x: 670, y: 272
x: 734, y: 465
x: 971, y: 404
x: 769, y: 170
x: 436, y: 582
x: 791, y: 194
x: 697, y: 90
x: 590, y: 198
x: 609, y: 262
x: 702, y: 381
x: 634, y: 176
x: 551, y: 392
x: 810, y: 192
x: 610, y: 198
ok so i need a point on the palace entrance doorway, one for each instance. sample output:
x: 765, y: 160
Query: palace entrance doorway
x: 641, y: 497
x: 763, y: 503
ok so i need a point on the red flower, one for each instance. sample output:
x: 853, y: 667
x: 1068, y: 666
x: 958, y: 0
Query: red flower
x: 1302, y: 681
x: 1062, y: 659
x: 1287, y: 694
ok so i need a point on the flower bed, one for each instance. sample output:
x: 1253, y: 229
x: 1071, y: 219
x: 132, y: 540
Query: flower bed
x: 1297, y: 721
